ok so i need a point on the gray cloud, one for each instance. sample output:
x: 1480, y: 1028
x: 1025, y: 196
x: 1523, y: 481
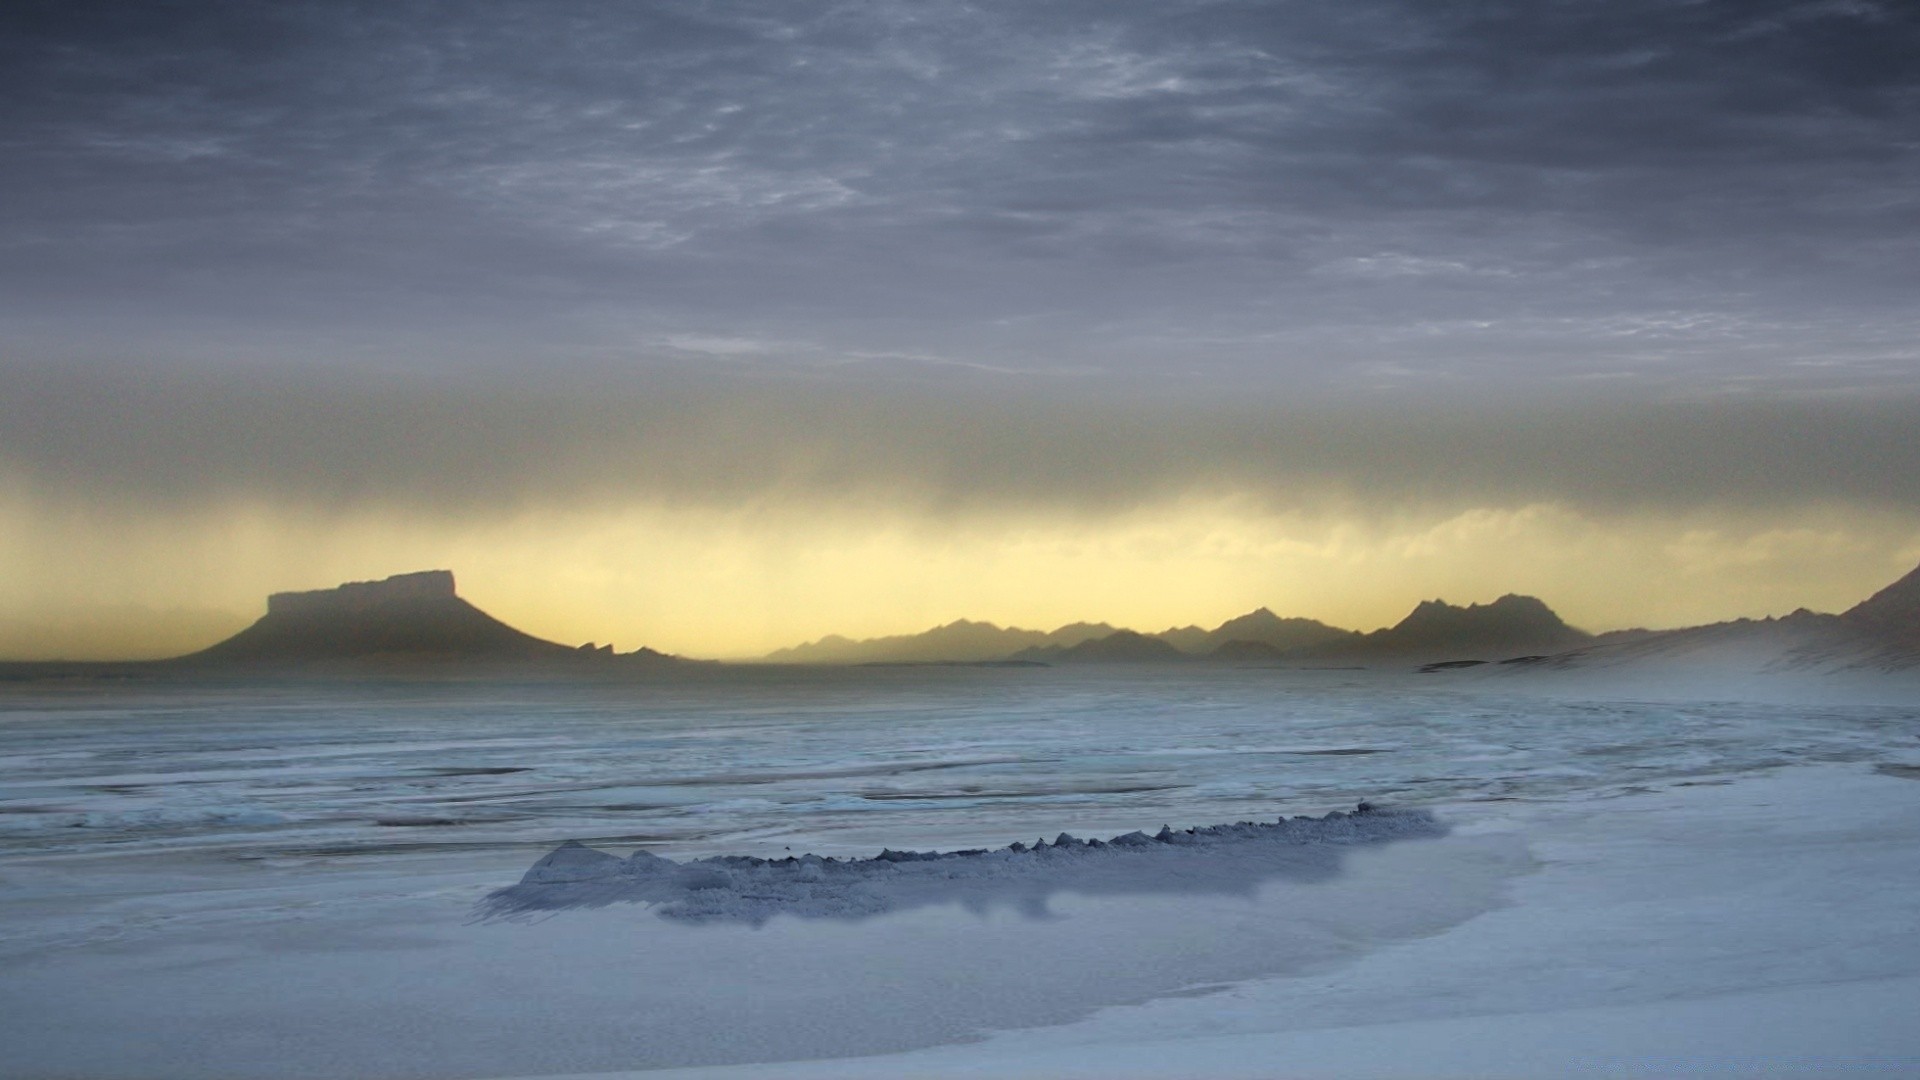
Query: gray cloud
x: 1709, y: 193
x: 962, y: 256
x: 955, y: 443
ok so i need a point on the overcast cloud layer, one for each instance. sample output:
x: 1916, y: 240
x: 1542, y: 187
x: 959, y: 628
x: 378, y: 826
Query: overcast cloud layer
x: 453, y: 262
x: 1356, y: 194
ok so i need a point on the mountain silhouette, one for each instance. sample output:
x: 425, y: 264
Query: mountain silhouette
x: 1894, y: 609
x: 414, y: 617
x: 1435, y: 630
x: 1510, y: 622
x: 1879, y: 634
x: 1263, y: 627
x: 965, y: 641
x: 960, y: 641
x: 1119, y: 647
x: 1884, y: 629
x: 420, y: 618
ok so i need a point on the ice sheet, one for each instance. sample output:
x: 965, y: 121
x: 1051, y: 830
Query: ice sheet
x: 355, y: 980
x: 1855, y: 1029
x: 1760, y: 927
x: 238, y: 881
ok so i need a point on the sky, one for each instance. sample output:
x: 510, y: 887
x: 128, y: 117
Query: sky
x: 715, y: 327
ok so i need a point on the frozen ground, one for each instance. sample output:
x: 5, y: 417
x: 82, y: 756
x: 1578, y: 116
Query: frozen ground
x: 275, y: 881
x: 1758, y: 928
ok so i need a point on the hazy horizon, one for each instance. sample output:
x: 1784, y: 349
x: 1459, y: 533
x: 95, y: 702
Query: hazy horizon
x: 717, y: 331
x: 199, y: 629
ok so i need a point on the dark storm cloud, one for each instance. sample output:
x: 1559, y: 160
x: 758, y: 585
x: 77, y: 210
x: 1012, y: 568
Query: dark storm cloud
x: 987, y: 254
x: 1244, y: 191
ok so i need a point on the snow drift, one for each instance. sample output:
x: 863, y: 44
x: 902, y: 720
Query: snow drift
x: 734, y: 888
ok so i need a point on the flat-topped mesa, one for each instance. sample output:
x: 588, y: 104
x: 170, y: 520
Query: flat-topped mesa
x: 360, y: 596
x: 407, y: 619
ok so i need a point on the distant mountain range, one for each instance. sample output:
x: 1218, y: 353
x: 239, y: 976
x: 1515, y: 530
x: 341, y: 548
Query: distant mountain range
x: 965, y: 641
x: 1119, y: 647
x: 961, y: 641
x: 1882, y: 633
x: 419, y: 619
x: 1511, y: 625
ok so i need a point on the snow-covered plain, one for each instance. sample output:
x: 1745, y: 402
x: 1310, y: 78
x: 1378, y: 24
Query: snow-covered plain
x: 287, y: 880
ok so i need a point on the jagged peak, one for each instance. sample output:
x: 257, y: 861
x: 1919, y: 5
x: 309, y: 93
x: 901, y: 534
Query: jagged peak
x: 1512, y: 616
x: 1507, y: 601
x: 1259, y: 616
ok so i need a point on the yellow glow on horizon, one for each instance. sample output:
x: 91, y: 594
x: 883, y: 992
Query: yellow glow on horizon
x: 738, y: 583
